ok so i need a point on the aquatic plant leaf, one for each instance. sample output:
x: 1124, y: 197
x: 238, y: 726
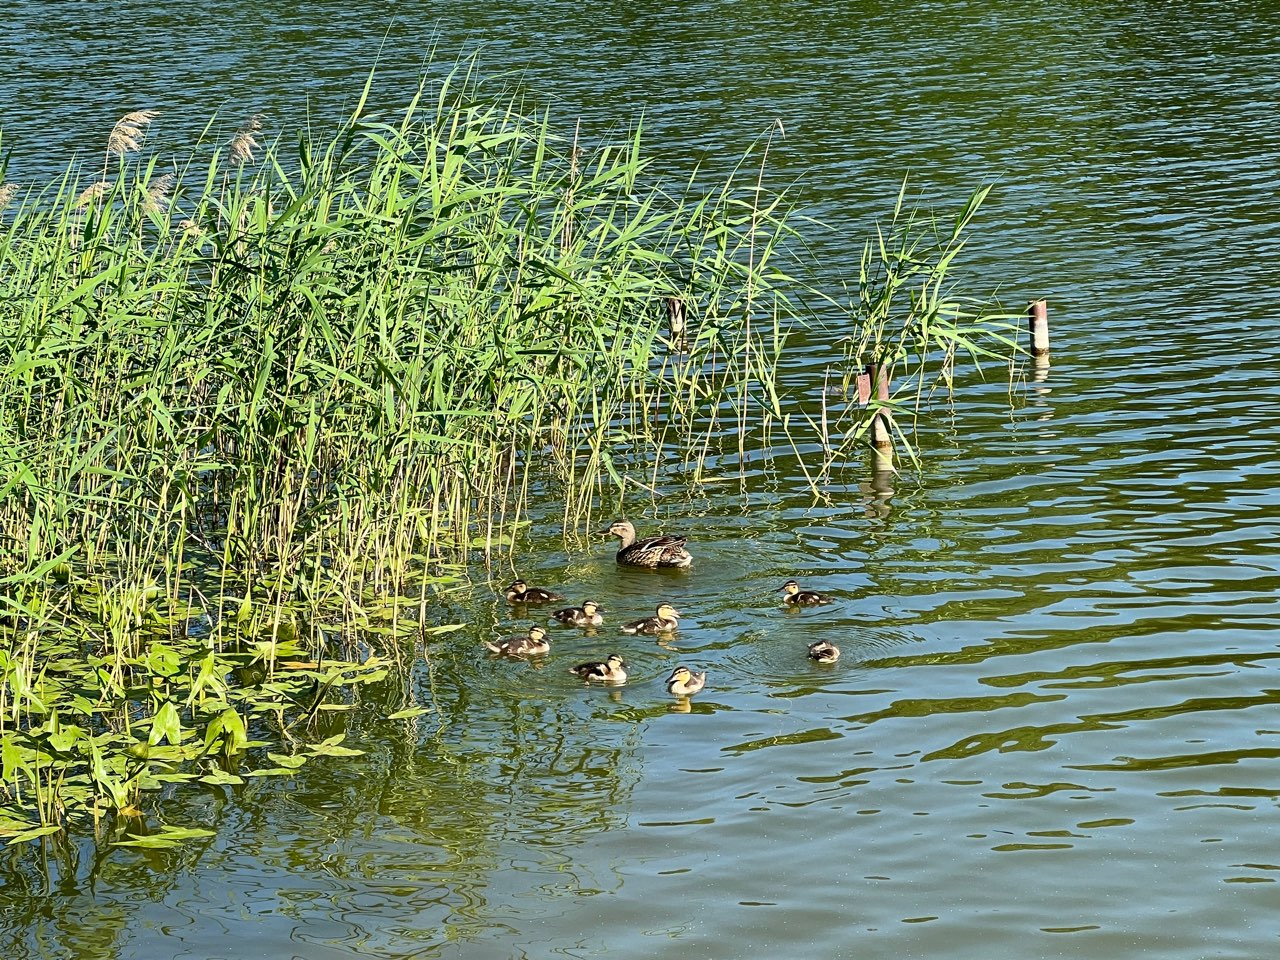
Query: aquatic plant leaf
x: 217, y: 777
x: 34, y: 833
x: 164, y: 838
x: 166, y: 725
x: 410, y: 712
x: 331, y: 748
x: 286, y: 760
x: 227, y: 730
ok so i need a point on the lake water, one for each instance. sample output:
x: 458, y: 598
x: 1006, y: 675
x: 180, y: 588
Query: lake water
x: 1055, y: 729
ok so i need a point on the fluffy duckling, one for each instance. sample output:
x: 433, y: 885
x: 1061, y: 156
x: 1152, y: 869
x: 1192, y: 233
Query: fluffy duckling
x: 651, y: 551
x: 532, y: 645
x: 610, y: 671
x: 683, y: 682
x: 824, y: 652
x: 587, y: 615
x: 521, y: 592
x: 803, y: 598
x: 665, y: 620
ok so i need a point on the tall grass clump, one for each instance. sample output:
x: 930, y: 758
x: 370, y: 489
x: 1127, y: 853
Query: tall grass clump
x: 248, y: 393
x: 909, y: 317
x: 309, y: 364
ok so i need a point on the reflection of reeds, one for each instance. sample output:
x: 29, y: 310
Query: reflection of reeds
x: 244, y: 143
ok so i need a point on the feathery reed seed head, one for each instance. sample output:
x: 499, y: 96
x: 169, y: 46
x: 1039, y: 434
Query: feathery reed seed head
x: 243, y: 143
x: 7, y: 192
x: 157, y: 198
x: 129, y: 132
x: 92, y: 193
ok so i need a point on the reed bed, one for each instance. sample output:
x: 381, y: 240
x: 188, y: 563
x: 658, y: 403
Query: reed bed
x: 248, y: 399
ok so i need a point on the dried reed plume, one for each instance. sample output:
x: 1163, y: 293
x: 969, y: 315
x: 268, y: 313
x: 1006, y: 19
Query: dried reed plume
x: 7, y: 192
x: 92, y: 193
x: 157, y: 198
x: 243, y: 143
x: 129, y: 132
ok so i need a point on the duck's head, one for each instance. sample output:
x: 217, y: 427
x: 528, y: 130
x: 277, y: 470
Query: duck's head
x: 537, y: 633
x: 590, y: 607
x: 680, y: 674
x: 517, y: 586
x: 790, y: 588
x: 615, y: 661
x: 667, y: 612
x: 620, y: 528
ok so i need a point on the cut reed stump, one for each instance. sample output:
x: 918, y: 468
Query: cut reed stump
x: 877, y: 375
x: 1038, y: 323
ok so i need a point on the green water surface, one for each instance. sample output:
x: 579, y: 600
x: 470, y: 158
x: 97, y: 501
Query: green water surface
x: 1055, y: 729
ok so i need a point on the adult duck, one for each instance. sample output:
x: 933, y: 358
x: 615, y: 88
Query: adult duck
x: 652, y: 552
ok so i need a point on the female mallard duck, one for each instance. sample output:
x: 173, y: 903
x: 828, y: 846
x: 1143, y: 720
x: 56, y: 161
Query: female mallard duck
x: 683, y: 682
x: 651, y: 551
x: 532, y: 645
x: 587, y: 615
x: 665, y: 620
x: 521, y: 592
x: 824, y: 652
x: 803, y: 598
x: 610, y: 671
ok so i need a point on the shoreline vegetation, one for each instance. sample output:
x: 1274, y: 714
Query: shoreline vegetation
x: 258, y: 402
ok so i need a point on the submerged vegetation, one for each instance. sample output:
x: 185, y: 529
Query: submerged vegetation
x: 264, y: 389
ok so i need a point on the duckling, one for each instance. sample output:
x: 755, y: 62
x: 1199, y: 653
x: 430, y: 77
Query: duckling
x: 521, y: 592
x: 824, y: 651
x: 684, y: 682
x: 649, y: 552
x: 665, y: 620
x: 803, y: 598
x: 610, y: 671
x: 532, y: 645
x: 587, y: 615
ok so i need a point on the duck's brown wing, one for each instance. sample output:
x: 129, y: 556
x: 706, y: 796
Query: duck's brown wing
x: 659, y: 543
